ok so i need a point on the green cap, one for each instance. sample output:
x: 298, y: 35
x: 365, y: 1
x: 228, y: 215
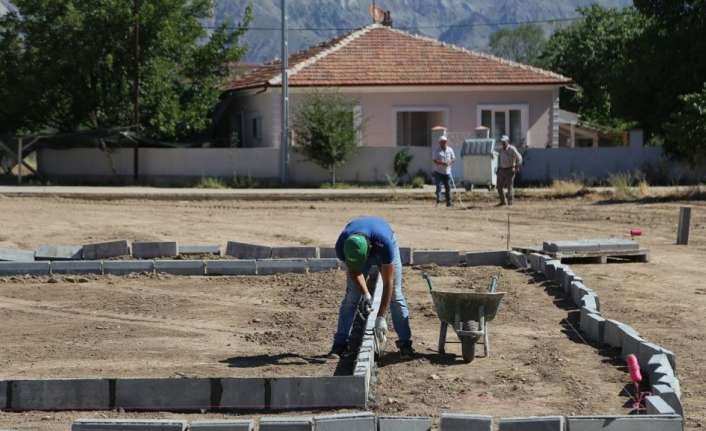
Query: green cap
x: 355, y: 250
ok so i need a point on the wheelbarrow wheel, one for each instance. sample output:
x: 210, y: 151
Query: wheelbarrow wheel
x: 468, y: 343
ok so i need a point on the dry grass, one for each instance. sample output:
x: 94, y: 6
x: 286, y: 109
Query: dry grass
x: 567, y: 187
x: 643, y: 189
x: 622, y: 187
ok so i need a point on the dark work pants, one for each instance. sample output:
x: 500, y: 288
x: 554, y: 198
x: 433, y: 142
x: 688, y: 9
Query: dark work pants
x: 444, y: 179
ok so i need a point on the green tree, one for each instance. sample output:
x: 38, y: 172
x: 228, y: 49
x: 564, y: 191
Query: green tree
x: 68, y: 65
x: 686, y: 129
x: 523, y: 44
x: 595, y: 52
x: 326, y: 130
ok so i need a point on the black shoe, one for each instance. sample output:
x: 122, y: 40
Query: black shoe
x: 406, y: 350
x: 449, y: 204
x: 337, y: 350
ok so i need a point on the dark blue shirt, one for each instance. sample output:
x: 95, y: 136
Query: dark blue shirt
x: 380, y: 236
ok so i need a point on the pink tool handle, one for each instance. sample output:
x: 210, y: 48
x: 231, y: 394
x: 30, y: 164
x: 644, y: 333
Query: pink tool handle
x: 634, y: 368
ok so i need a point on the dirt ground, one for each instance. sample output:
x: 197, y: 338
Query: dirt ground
x: 537, y: 366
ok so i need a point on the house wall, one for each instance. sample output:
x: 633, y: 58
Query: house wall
x: 251, y: 104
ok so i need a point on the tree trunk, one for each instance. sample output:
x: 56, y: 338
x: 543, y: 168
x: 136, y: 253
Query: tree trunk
x: 333, y: 175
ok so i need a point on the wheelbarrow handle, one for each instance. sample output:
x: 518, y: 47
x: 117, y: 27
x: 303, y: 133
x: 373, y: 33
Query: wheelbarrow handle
x: 428, y: 280
x: 493, y: 284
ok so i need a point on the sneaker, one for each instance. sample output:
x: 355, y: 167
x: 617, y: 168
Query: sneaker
x: 337, y: 350
x: 406, y: 350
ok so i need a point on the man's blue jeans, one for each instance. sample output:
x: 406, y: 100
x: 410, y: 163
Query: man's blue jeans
x: 398, y: 305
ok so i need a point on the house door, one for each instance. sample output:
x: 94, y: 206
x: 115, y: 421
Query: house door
x: 511, y: 120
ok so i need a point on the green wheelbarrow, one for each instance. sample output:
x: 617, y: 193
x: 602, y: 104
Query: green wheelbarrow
x: 468, y: 313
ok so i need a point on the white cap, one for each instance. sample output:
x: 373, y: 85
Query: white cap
x: 505, y: 138
x: 443, y: 137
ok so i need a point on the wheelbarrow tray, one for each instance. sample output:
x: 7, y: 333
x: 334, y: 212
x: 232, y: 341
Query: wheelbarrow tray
x: 455, y: 307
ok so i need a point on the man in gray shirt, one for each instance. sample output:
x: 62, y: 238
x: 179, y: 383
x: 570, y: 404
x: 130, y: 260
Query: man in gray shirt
x: 509, y: 162
x: 444, y: 157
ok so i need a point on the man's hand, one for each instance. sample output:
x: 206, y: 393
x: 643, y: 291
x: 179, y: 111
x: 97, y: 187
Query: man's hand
x: 381, y: 333
x: 365, y: 306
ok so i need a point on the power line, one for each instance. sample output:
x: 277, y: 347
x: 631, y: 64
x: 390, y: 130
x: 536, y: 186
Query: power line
x: 421, y: 27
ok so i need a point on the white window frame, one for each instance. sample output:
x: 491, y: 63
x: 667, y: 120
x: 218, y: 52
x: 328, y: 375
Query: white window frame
x: 506, y: 107
x: 419, y: 108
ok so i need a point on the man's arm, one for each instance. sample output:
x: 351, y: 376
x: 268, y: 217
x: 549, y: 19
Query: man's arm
x: 359, y: 281
x: 387, y: 271
x: 518, y: 159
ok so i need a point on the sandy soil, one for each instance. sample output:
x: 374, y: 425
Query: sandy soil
x: 537, y: 366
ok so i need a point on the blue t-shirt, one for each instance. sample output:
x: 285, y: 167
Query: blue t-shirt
x: 379, y: 234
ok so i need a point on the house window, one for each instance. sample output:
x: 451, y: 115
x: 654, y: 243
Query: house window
x: 511, y: 120
x: 256, y: 128
x: 414, y: 126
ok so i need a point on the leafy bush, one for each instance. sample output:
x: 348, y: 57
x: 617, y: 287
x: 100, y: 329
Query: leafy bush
x: 211, y: 183
x: 401, y: 164
x: 418, y: 182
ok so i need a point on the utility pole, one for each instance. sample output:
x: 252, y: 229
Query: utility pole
x: 284, y: 141
x: 136, y: 85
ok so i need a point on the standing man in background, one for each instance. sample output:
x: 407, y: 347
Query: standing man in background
x: 444, y: 157
x: 509, y: 162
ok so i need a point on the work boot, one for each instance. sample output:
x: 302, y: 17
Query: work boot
x: 337, y: 350
x: 406, y: 350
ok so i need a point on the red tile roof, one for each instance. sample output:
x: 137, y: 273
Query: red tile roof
x: 379, y: 55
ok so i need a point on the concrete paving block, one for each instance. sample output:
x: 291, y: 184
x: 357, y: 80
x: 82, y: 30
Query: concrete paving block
x: 346, y: 422
x: 592, y: 325
x: 231, y: 267
x: 657, y: 406
x: 487, y: 258
x: 327, y: 252
x: 105, y: 250
x: 242, y: 250
x: 438, y: 257
x: 129, y: 425
x: 404, y: 423
x: 671, y: 381
x: 320, y: 265
x: 618, y: 244
x: 77, y: 267
x: 572, y: 246
x: 535, y: 261
x: 405, y: 256
x: 549, y: 268
x: 670, y: 397
x: 465, y: 422
x: 613, y: 333
x: 3, y: 395
x: 59, y: 394
x: 578, y: 290
x: 123, y: 267
x: 59, y: 252
x: 223, y: 425
x: 152, y: 249
x: 24, y: 268
x: 558, y: 275
x: 591, y: 301
x: 295, y: 252
x: 180, y: 267
x: 536, y: 423
x: 290, y: 393
x: 187, y: 250
x: 631, y: 345
x: 16, y: 255
x: 286, y: 423
x: 163, y: 394
x: 625, y: 423
x: 567, y: 277
x: 241, y: 393
x: 659, y: 365
x: 280, y: 266
x: 518, y: 260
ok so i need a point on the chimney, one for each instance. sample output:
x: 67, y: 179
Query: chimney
x: 387, y: 20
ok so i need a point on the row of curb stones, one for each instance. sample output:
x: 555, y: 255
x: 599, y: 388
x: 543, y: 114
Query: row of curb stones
x: 365, y: 360
x: 367, y: 421
x: 658, y: 363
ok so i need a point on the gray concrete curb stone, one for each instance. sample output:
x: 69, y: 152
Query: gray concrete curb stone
x: 128, y: 425
x: 77, y: 267
x: 488, y: 258
x: 295, y: 252
x: 670, y: 397
x: 406, y: 256
x: 518, y: 260
x: 152, y: 249
x: 59, y: 252
x: 613, y: 333
x: 631, y: 344
x: 242, y: 393
x: 15, y: 255
x: 231, y: 267
x: 465, y: 422
x: 327, y: 253
x: 186, y: 250
x: 286, y: 423
x: 592, y: 325
x: 60, y: 394
x: 123, y: 267
x: 655, y: 405
x: 404, y: 423
x: 625, y: 423
x: 163, y: 394
x: 543, y: 423
x: 647, y: 350
x: 310, y: 393
x: 280, y: 266
x: 222, y: 425
x: 24, y: 268
x: 242, y: 250
x: 438, y: 257
x: 180, y: 267
x: 321, y: 265
x: 346, y: 422
x: 105, y: 250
